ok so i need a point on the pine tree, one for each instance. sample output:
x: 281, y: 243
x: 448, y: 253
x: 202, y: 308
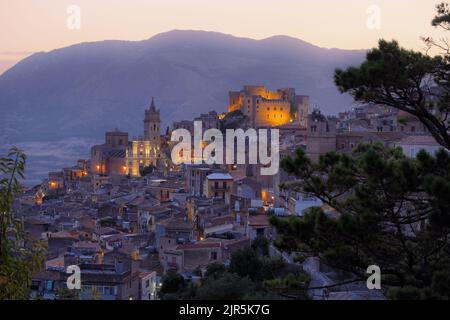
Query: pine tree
x: 390, y: 210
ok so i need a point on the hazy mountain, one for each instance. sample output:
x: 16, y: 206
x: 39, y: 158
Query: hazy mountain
x: 85, y: 89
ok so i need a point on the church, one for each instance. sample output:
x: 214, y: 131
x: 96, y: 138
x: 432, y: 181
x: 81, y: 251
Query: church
x: 121, y: 156
x: 145, y: 151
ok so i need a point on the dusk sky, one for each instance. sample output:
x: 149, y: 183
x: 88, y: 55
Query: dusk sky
x: 28, y: 26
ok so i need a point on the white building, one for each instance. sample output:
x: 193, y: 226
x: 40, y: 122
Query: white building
x: 147, y: 285
x: 412, y: 144
x: 298, y: 203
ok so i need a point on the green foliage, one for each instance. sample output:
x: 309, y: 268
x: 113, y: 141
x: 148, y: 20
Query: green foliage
x: 222, y: 283
x: 406, y: 293
x: 394, y: 212
x: 248, y: 263
x: 245, y: 263
x: 291, y: 285
x: 172, y: 283
x: 388, y: 65
x: 261, y: 245
x: 215, y: 270
x: 290, y: 281
x: 262, y: 295
x: 227, y: 287
x: 197, y: 272
x: 66, y: 294
x: 441, y: 284
x: 442, y: 18
x: 299, y: 258
x: 406, y: 80
x: 270, y: 268
x: 18, y: 261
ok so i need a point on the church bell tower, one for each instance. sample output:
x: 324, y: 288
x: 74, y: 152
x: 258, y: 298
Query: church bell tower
x: 152, y: 124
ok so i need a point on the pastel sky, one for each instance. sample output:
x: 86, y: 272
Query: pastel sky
x: 28, y: 26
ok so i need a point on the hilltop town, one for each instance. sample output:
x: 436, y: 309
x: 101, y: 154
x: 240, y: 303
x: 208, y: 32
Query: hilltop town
x: 128, y: 215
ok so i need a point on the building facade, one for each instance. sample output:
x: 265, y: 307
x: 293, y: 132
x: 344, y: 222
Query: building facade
x: 267, y: 108
x: 109, y: 158
x: 218, y: 185
x: 145, y: 151
x: 321, y: 135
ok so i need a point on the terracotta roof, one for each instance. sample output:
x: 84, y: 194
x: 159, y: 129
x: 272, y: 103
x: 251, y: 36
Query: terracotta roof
x: 145, y: 274
x: 419, y: 139
x: 57, y: 262
x: 198, y: 245
x: 221, y: 220
x: 178, y: 224
x: 64, y: 234
x: 106, y: 231
x: 85, y: 244
x: 36, y: 221
x: 259, y: 220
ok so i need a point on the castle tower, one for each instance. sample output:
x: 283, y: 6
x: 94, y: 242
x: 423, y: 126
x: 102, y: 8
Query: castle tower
x: 303, y: 110
x: 321, y: 135
x: 152, y: 124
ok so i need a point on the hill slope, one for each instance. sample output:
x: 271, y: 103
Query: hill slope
x: 86, y: 89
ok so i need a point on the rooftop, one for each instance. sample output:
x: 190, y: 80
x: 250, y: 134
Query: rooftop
x: 198, y: 245
x: 419, y: 139
x: 261, y: 220
x: 219, y: 176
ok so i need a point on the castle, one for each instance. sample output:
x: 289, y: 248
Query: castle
x: 263, y: 108
x: 267, y: 108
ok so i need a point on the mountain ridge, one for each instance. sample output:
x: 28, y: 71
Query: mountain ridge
x: 87, y: 88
